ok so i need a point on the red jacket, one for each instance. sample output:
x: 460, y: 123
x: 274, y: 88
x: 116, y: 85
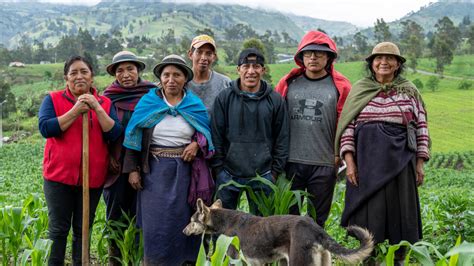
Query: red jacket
x: 342, y: 83
x: 63, y: 154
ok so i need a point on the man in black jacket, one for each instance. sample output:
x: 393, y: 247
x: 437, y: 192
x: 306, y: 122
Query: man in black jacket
x: 250, y: 131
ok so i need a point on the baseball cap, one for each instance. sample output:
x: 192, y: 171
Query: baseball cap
x: 243, y: 57
x: 200, y: 40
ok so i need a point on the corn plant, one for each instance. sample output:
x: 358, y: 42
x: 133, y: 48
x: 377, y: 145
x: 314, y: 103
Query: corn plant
x: 219, y: 255
x: 15, y: 223
x: 127, y: 237
x: 278, y: 202
x: 39, y: 254
x: 460, y: 254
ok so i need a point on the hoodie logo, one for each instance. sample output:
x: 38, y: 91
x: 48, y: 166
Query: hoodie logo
x: 309, y: 110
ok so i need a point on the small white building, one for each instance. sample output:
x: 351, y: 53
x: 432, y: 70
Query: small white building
x: 16, y: 64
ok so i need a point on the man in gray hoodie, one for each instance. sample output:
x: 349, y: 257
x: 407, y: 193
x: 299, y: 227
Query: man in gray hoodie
x: 250, y: 131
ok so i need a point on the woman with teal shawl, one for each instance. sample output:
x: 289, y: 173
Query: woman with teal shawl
x: 383, y: 171
x: 167, y: 134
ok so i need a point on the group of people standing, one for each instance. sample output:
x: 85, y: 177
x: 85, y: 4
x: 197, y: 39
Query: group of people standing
x: 156, y: 148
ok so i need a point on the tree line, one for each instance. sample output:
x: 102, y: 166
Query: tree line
x: 447, y: 40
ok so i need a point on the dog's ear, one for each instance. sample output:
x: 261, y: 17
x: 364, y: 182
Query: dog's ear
x: 200, y: 205
x: 217, y: 204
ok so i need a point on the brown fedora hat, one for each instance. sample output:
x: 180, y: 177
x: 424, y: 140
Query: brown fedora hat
x: 388, y: 48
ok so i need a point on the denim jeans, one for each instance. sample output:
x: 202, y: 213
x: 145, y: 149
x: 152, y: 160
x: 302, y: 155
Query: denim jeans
x: 230, y: 195
x: 65, y: 205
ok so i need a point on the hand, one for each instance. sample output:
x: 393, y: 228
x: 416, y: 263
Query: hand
x: 420, y: 172
x: 274, y: 177
x: 190, y: 152
x: 135, y: 180
x: 337, y: 162
x: 90, y: 100
x: 351, y: 170
x: 114, y: 166
x: 80, y: 108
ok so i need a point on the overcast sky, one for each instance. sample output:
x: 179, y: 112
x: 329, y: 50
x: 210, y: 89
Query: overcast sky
x: 362, y: 13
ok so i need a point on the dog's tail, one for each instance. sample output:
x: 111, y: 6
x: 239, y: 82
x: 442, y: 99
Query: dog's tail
x: 353, y: 256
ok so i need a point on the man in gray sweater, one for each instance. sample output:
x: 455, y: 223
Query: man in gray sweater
x: 206, y: 83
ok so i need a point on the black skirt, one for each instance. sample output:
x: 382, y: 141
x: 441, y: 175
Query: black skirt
x: 386, y: 201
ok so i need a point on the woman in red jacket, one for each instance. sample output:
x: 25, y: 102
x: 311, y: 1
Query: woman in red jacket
x: 60, y: 122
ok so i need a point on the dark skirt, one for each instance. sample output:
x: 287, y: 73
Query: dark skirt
x: 386, y: 201
x: 163, y: 213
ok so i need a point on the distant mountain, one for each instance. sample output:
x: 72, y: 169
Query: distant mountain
x: 48, y: 22
x: 429, y: 15
x: 333, y: 28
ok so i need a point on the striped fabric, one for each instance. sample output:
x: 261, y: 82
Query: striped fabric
x: 382, y: 108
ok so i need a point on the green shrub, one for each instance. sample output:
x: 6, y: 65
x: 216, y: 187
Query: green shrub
x: 464, y: 85
x: 433, y: 83
x: 418, y: 83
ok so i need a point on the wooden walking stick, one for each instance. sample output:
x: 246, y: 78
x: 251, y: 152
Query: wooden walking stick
x: 85, y: 189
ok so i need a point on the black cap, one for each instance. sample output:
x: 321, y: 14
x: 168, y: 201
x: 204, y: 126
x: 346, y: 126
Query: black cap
x: 250, y: 52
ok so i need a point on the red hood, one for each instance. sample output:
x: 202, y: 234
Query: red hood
x: 342, y: 83
x: 314, y: 37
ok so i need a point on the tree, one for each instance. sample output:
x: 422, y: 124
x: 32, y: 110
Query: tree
x: 360, y: 42
x: 433, y: 83
x: 411, y: 40
x: 240, y: 32
x: 231, y: 50
x: 286, y: 38
x: 5, y: 56
x: 24, y: 52
x: 276, y: 37
x: 470, y: 39
x: 382, y: 31
x: 85, y: 42
x: 66, y: 48
x: 207, y: 31
x: 419, y: 84
x: 41, y: 54
x: 114, y: 46
x: 339, y: 41
x: 255, y: 43
x: 445, y: 40
x: 6, y: 95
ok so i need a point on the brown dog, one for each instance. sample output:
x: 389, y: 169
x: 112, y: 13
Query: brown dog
x: 290, y: 239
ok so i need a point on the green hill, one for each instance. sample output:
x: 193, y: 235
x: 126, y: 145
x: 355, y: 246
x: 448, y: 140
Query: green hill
x: 428, y: 16
x: 48, y: 22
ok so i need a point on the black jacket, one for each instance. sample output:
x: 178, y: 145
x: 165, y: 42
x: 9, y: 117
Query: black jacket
x: 250, y: 134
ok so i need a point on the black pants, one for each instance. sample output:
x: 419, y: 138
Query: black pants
x: 120, y: 196
x: 65, y: 206
x: 319, y: 181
